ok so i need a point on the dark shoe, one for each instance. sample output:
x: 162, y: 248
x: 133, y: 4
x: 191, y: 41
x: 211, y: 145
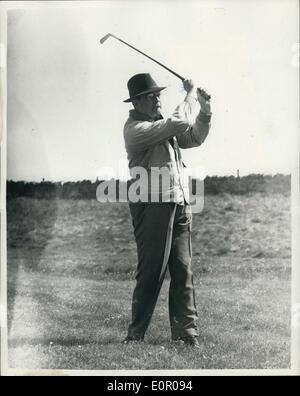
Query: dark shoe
x: 129, y: 340
x: 189, y: 341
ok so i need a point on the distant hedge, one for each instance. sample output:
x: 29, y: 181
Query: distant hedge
x: 248, y: 184
x: 212, y: 185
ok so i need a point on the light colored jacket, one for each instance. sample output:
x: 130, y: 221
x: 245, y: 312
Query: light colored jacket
x: 155, y: 146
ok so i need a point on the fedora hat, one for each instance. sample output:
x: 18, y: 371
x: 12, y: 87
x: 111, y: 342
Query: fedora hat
x: 141, y: 84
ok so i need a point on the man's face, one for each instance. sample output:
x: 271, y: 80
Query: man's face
x: 149, y: 104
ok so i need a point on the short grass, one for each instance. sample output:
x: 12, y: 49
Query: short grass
x: 71, y: 267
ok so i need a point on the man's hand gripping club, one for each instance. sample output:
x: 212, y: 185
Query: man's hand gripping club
x: 202, y: 95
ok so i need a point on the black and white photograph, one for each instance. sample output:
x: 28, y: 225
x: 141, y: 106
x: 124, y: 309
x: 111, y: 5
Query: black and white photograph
x: 150, y: 187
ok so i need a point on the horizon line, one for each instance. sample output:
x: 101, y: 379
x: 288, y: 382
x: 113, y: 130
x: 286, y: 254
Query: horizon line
x: 43, y: 180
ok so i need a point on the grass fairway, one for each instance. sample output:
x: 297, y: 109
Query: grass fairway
x: 71, y: 267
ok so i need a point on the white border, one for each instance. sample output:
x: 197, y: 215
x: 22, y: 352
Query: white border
x: 295, y: 212
x: 3, y: 112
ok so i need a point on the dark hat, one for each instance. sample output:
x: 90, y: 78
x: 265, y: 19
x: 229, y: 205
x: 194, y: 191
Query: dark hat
x: 141, y: 84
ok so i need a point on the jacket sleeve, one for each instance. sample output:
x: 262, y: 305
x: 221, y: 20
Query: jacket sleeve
x: 198, y: 132
x: 142, y: 135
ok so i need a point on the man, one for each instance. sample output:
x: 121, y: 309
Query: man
x: 162, y: 228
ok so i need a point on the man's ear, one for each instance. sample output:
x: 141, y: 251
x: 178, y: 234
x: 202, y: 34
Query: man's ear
x: 135, y: 103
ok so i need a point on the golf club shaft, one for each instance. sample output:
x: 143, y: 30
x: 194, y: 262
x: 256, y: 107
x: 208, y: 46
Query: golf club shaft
x: 207, y: 97
x: 154, y: 60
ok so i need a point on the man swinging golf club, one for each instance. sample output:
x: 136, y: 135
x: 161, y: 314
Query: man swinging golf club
x: 162, y: 228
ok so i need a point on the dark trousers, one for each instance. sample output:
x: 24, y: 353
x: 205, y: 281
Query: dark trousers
x: 163, y: 236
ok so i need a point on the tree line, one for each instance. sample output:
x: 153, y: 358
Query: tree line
x: 86, y: 189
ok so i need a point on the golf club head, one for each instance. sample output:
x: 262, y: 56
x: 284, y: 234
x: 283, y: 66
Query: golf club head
x: 105, y: 38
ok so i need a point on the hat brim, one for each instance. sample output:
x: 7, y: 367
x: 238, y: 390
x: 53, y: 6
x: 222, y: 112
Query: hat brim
x: 156, y: 89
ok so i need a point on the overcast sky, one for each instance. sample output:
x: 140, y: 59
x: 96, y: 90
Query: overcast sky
x: 66, y: 91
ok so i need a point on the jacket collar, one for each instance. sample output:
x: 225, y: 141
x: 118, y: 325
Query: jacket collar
x: 137, y: 116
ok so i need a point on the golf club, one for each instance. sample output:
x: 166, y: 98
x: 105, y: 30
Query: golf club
x: 104, y: 38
